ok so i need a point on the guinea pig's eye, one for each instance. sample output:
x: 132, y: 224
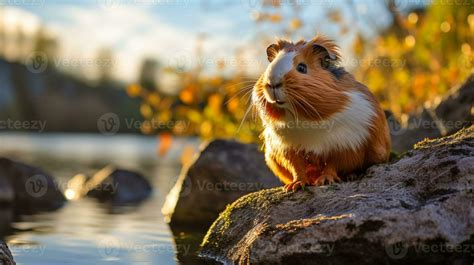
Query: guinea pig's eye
x: 301, y: 67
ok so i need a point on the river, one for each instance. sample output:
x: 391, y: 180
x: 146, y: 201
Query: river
x: 86, y: 231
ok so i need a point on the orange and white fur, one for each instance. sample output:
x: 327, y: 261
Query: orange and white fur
x: 319, y: 122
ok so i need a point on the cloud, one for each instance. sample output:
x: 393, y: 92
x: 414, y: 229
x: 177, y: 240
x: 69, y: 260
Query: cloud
x: 133, y: 32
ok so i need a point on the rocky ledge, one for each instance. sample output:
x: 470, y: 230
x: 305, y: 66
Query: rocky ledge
x: 6, y: 257
x: 415, y: 210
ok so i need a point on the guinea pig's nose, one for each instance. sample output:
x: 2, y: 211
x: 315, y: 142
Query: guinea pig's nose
x: 277, y: 86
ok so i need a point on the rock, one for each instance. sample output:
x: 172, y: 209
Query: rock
x: 7, y: 217
x: 117, y: 186
x: 420, y: 126
x: 452, y: 113
x: 456, y: 109
x: 223, y: 171
x: 416, y: 210
x: 6, y: 257
x: 7, y: 195
x: 29, y: 189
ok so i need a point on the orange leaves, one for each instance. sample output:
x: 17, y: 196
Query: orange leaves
x: 146, y: 110
x: 134, y: 90
x: 335, y: 16
x: 296, y: 23
x: 153, y: 99
x: 215, y: 103
x: 423, y: 63
x: 187, y: 95
x: 233, y: 105
x: 275, y: 18
x: 165, y: 140
x: 187, y: 155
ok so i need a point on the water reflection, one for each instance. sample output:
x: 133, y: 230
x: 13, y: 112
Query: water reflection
x: 87, y: 231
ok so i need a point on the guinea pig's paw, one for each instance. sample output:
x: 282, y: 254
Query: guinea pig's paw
x: 296, y: 185
x: 327, y: 179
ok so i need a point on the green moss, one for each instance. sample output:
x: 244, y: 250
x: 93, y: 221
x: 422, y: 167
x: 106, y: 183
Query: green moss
x: 257, y: 200
x: 394, y: 156
x: 461, y: 135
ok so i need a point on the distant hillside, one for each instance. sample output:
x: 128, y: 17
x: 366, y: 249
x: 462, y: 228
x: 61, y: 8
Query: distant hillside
x: 64, y: 102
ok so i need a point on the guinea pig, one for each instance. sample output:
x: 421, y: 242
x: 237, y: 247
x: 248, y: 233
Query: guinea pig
x: 320, y: 124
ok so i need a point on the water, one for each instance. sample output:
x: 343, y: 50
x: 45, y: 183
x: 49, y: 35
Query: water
x: 86, y: 231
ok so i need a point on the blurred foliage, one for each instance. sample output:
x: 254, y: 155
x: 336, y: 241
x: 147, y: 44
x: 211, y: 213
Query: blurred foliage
x: 208, y: 107
x: 417, y: 59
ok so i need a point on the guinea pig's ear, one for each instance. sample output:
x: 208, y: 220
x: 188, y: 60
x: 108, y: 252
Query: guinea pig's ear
x: 272, y: 52
x: 328, y: 57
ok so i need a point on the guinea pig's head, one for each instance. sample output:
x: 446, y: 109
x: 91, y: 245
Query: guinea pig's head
x: 303, y: 79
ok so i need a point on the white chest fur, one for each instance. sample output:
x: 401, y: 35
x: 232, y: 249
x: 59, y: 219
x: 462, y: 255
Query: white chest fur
x: 348, y: 129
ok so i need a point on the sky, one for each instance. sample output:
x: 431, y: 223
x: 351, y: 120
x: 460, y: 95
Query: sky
x: 168, y: 30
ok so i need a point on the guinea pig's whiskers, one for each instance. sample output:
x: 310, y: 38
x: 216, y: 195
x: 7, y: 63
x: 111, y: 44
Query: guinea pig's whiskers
x: 305, y: 105
x: 245, y: 91
x: 245, y: 117
x: 293, y: 110
x: 252, y: 108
